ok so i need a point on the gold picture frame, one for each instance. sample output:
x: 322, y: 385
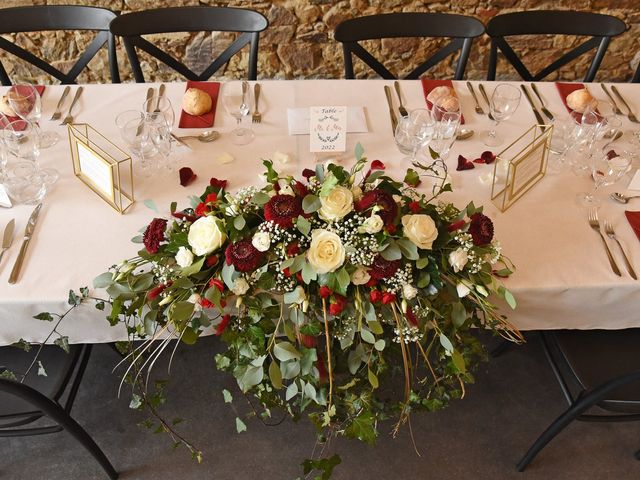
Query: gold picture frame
x: 102, y: 166
x: 520, y: 166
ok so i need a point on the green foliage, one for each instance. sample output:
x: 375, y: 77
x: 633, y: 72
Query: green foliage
x: 325, y: 465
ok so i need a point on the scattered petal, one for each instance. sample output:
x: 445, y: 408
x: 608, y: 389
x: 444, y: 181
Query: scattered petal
x: 612, y: 154
x: 464, y: 164
x: 377, y: 165
x: 186, y: 176
x: 280, y: 157
x: 488, y: 157
x: 224, y: 158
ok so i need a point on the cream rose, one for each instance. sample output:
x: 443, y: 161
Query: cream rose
x: 261, y: 241
x: 409, y: 291
x: 240, y: 286
x: 458, y: 259
x: 326, y: 252
x: 337, y: 204
x: 184, y: 257
x: 420, y: 229
x: 205, y: 236
x: 360, y: 276
x: 373, y: 224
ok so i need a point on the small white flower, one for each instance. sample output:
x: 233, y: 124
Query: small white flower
x: 285, y: 188
x: 373, y: 224
x: 240, y: 286
x: 409, y: 291
x: 462, y: 289
x: 184, y: 257
x: 458, y: 259
x: 360, y: 276
x: 261, y: 241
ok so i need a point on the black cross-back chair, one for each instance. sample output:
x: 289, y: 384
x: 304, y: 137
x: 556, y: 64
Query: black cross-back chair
x: 601, y: 28
x: 190, y: 19
x: 49, y: 396
x: 636, y: 76
x: 460, y: 28
x: 595, y: 368
x: 59, y: 17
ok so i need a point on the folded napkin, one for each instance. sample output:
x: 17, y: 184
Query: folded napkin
x: 429, y: 84
x: 206, y: 120
x: 564, y: 89
x: 634, y: 221
x: 21, y: 124
x: 298, y: 119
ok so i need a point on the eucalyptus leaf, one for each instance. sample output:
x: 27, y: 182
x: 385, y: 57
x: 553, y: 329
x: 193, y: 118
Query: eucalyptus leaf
x: 292, y: 391
x: 252, y: 377
x: 311, y: 203
x: 408, y: 248
x: 373, y: 379
x: 458, y: 361
x: 285, y: 351
x: 392, y: 252
x: 379, y: 345
x: 151, y: 205
x: 240, y: 425
x: 103, y: 280
x: 239, y: 222
x: 367, y: 336
x: 275, y: 375
x: 446, y: 343
x: 260, y: 198
x: 458, y: 314
x: 303, y: 225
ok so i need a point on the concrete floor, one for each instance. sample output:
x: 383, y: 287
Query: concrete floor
x: 480, y: 437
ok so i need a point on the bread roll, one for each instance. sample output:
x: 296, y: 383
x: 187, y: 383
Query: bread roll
x: 196, y: 102
x: 5, y: 107
x: 439, y: 93
x: 581, y: 101
x: 449, y: 104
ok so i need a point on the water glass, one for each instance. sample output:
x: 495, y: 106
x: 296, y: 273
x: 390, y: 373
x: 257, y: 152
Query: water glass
x: 25, y: 101
x: 445, y: 131
x: 22, y: 139
x: 504, y: 102
x: 414, y: 132
x: 237, y: 101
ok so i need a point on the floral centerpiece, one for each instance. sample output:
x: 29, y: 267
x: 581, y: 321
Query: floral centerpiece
x: 329, y: 291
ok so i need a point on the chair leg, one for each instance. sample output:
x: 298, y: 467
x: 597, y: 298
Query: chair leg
x: 637, y: 455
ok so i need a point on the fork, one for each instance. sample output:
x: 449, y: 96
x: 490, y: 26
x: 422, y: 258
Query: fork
x: 608, y: 228
x: 595, y: 224
x: 630, y: 115
x: 69, y: 118
x: 57, y: 114
x: 257, y: 116
x: 401, y: 109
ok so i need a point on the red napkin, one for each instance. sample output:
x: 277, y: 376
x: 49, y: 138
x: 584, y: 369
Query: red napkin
x: 428, y: 85
x: 565, y: 89
x: 21, y: 125
x: 206, y: 120
x: 634, y: 221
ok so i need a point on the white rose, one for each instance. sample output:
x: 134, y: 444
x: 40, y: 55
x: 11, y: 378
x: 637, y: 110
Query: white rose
x: 360, y: 276
x: 463, y: 290
x: 240, y: 286
x: 409, y: 291
x: 373, y: 224
x: 205, y: 236
x: 184, y: 257
x: 326, y: 252
x: 337, y: 204
x: 458, y: 259
x: 261, y: 241
x: 356, y: 191
x: 420, y: 229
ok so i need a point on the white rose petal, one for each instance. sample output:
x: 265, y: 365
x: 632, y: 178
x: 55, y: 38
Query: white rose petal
x: 261, y: 241
x: 240, y: 286
x: 337, y: 204
x: 463, y: 290
x: 184, y: 257
x: 326, y: 252
x: 373, y: 224
x: 420, y: 229
x: 205, y: 236
x: 409, y: 291
x: 281, y: 157
x: 360, y: 276
x: 458, y: 259
x: 224, y: 158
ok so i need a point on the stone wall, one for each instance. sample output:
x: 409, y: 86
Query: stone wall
x: 299, y: 41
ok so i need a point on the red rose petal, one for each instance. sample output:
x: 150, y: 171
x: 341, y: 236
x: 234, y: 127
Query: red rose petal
x: 612, y: 154
x: 186, y: 176
x: 377, y: 165
x: 488, y: 157
x: 464, y: 164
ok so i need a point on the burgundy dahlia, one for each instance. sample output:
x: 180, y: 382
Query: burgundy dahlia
x: 283, y: 210
x: 243, y: 256
x: 154, y: 234
x: 481, y: 229
x: 382, y: 268
x: 389, y: 208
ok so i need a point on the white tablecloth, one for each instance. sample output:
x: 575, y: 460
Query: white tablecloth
x: 563, y: 279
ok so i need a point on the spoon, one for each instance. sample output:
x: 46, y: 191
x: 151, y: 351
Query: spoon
x: 619, y: 197
x: 463, y: 134
x: 206, y: 136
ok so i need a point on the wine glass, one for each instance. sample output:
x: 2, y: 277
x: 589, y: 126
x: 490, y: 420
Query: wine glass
x: 504, y: 102
x: 135, y: 132
x: 237, y: 101
x: 606, y: 169
x: 414, y: 132
x: 446, y: 128
x: 160, y: 118
x: 25, y: 101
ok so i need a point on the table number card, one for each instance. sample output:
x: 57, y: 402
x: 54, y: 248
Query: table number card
x: 328, y: 129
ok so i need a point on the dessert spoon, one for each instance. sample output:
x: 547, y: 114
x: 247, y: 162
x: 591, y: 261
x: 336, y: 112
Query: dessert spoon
x: 619, y: 197
x: 206, y: 136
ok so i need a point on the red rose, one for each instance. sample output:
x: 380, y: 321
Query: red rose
x: 372, y: 283
x: 283, y: 210
x: 219, y: 184
x: 337, y: 305
x: 153, y: 293
x: 212, y: 260
x: 293, y: 248
x: 381, y: 268
x: 154, y: 234
x: 481, y: 229
x: 243, y: 256
x: 308, y: 341
x: 186, y: 176
x: 375, y: 296
x: 456, y: 226
x: 214, y: 282
x: 389, y: 208
x: 388, y: 297
x: 414, y: 206
x: 412, y: 317
x: 205, y: 303
x: 211, y: 198
x: 325, y: 291
x: 286, y: 272
x: 391, y: 228
x: 223, y: 324
x: 300, y: 189
x: 202, y: 209
x: 377, y: 165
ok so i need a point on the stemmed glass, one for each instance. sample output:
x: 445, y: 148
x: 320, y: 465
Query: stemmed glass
x: 237, y: 101
x: 160, y: 118
x: 135, y: 131
x: 446, y: 128
x: 413, y: 132
x: 504, y: 102
x: 606, y: 169
x: 25, y: 101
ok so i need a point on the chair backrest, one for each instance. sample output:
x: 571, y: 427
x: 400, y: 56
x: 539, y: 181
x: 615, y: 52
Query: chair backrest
x: 190, y: 19
x: 58, y: 17
x: 601, y: 28
x: 636, y: 76
x: 461, y: 29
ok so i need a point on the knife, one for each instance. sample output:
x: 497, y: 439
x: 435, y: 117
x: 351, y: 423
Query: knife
x: 630, y: 115
x: 616, y: 108
x: 160, y: 95
x: 544, y: 109
x: 28, y: 233
x: 7, y: 237
x: 486, y: 99
x: 394, y: 119
x: 533, y: 106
